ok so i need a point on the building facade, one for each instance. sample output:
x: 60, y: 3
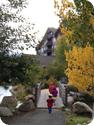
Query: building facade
x: 48, y: 44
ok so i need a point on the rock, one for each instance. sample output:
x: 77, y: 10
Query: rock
x: 2, y: 123
x: 80, y: 107
x: 70, y: 100
x: 10, y: 102
x: 27, y: 106
x: 28, y: 97
x: 4, y: 111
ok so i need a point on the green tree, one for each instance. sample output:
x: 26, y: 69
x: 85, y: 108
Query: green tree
x: 16, y: 69
x: 32, y: 74
x: 57, y: 69
x: 27, y: 70
x: 61, y: 46
x: 10, y: 37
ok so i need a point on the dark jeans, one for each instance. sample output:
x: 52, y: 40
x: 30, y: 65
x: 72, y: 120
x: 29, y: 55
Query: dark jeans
x: 50, y: 109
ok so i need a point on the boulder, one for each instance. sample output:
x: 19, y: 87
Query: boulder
x: 4, y: 111
x: 70, y: 100
x: 28, y: 105
x: 10, y: 102
x: 2, y: 123
x: 30, y: 96
x: 85, y: 97
x: 81, y: 107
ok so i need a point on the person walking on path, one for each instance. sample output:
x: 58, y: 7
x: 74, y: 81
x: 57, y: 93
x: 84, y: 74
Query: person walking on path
x: 50, y: 102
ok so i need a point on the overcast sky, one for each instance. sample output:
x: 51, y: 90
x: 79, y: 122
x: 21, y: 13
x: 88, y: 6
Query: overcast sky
x: 41, y: 12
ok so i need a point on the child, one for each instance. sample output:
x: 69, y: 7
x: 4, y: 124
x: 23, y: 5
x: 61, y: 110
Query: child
x: 50, y: 102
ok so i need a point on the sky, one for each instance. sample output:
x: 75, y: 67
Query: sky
x: 41, y: 12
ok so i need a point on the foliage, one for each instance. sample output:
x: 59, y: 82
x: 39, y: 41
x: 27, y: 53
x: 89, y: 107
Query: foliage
x: 71, y: 88
x: 61, y: 46
x: 56, y: 70
x: 77, y: 22
x: 52, y: 80
x: 80, y: 69
x: 43, y: 74
x: 60, y: 63
x: 14, y: 29
x: 33, y: 74
x: 49, y: 74
x: 20, y: 92
x: 74, y: 119
x: 52, y: 71
x: 13, y: 69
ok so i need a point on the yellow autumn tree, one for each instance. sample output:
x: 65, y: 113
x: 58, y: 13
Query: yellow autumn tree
x: 80, y: 69
x: 76, y: 21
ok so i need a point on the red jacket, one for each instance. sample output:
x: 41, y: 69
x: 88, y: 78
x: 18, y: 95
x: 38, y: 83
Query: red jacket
x: 50, y: 102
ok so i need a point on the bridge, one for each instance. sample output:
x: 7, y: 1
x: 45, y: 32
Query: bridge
x: 42, y: 103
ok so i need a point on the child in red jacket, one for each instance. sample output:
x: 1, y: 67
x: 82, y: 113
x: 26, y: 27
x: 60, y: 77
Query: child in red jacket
x: 50, y: 102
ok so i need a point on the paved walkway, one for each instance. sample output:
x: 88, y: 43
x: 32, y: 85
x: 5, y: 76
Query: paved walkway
x: 38, y: 117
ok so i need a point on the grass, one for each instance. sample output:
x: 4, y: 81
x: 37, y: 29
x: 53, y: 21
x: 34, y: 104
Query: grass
x: 73, y: 119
